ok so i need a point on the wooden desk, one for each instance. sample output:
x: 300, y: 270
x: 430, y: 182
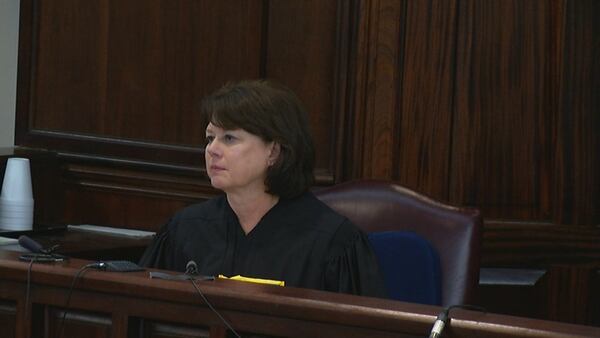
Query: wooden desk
x: 85, y: 244
x: 107, y: 304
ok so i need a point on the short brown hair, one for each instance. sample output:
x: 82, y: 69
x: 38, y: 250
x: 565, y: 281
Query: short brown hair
x: 274, y: 113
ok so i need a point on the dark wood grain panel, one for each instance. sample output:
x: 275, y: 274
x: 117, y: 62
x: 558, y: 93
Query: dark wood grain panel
x: 522, y: 292
x: 505, y: 83
x: 125, y: 77
x: 569, y: 290
x: 528, y: 245
x: 165, y: 330
x: 130, y: 208
x: 8, y: 318
x: 374, y: 118
x: 301, y: 52
x: 426, y: 96
x: 143, y: 66
x: 569, y: 254
x: 594, y: 300
x: 128, y: 196
x: 577, y: 159
x: 165, y: 55
x: 70, y: 65
x: 381, y: 113
x: 364, y: 50
x: 405, y: 91
x: 77, y: 324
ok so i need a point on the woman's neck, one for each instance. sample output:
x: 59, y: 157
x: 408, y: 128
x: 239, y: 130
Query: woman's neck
x: 251, y: 207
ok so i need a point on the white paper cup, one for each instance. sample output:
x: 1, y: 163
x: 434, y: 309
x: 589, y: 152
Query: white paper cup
x: 15, y: 225
x: 9, y: 204
x: 24, y: 221
x: 15, y: 214
x: 11, y: 210
x: 16, y: 185
x: 16, y: 221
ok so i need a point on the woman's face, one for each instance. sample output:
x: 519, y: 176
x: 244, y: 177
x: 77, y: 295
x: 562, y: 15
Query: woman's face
x: 237, y: 160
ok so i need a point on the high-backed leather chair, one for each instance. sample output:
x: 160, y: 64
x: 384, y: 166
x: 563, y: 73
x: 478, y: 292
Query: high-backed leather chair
x: 455, y: 233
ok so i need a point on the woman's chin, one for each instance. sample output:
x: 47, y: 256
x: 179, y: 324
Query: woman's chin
x: 218, y: 184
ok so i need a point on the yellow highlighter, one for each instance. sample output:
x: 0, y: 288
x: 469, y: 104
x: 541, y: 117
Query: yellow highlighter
x: 255, y: 280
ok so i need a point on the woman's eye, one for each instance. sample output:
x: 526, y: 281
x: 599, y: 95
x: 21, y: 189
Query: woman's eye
x: 209, y: 139
x: 228, y: 138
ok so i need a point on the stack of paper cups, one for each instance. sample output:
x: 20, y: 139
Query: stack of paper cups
x: 16, y: 200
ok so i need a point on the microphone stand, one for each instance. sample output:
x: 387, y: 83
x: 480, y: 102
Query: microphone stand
x: 191, y: 273
x: 45, y: 255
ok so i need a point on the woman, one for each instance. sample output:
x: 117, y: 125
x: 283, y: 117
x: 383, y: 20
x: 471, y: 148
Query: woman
x: 267, y: 225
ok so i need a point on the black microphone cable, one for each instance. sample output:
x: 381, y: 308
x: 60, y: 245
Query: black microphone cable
x: 442, y: 319
x: 192, y: 269
x: 39, y: 254
x: 77, y: 276
x: 28, y: 288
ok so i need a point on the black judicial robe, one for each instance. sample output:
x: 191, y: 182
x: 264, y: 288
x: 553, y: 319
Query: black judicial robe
x: 300, y: 241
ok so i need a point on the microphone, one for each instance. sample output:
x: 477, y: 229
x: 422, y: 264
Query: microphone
x: 191, y: 268
x: 443, y: 318
x: 38, y: 254
x: 440, y: 323
x: 191, y: 273
x: 117, y: 266
x: 31, y: 245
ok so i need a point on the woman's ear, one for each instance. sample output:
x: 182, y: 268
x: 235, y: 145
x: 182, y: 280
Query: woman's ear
x: 275, y: 151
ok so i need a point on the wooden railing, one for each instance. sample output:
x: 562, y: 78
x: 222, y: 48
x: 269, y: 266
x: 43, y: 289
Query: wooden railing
x: 110, y: 304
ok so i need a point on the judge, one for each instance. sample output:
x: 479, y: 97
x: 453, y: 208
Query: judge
x: 260, y: 153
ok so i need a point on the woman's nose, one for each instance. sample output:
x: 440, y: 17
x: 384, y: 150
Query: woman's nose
x: 213, y: 149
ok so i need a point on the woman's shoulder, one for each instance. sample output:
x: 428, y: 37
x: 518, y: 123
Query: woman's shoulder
x: 310, y: 206
x: 308, y: 211
x: 207, y: 210
x: 203, y: 216
x: 343, y: 232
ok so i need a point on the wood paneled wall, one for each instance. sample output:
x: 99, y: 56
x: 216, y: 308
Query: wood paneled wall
x: 492, y: 104
x: 114, y: 88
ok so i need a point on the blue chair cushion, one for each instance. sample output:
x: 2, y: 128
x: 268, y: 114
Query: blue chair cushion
x: 410, y: 266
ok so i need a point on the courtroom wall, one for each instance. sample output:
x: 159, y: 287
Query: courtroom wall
x: 486, y: 104
x: 489, y: 104
x: 9, y: 32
